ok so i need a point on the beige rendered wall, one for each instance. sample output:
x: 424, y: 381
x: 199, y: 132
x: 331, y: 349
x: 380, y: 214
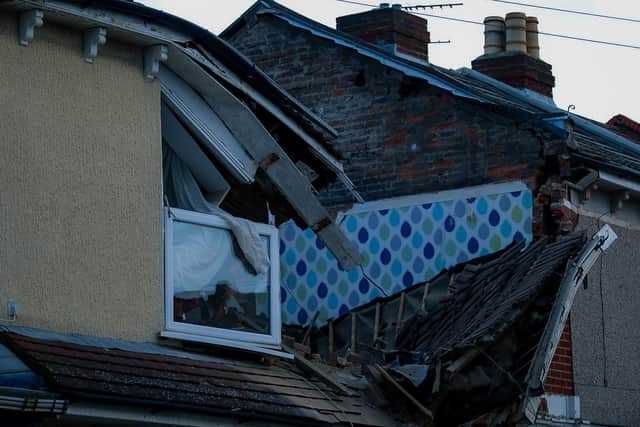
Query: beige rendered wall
x: 80, y: 186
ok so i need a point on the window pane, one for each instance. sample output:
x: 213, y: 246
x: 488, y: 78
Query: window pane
x: 213, y: 284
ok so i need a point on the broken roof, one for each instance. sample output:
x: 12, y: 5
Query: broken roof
x: 486, y: 298
x: 114, y: 371
x: 484, y: 328
x: 216, y: 81
x: 594, y: 142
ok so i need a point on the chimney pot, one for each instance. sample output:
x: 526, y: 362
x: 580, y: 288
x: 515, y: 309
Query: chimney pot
x: 520, y: 65
x: 396, y: 6
x: 384, y: 5
x: 533, y: 46
x: 494, y: 35
x: 516, y: 34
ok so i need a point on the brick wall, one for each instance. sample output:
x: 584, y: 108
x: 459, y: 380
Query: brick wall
x: 407, y: 32
x: 398, y: 136
x: 518, y: 70
x: 560, y: 378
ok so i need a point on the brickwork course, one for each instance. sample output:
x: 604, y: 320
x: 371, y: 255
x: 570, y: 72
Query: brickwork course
x: 397, y: 135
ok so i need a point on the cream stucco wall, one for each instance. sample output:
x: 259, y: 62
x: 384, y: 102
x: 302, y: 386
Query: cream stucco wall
x: 80, y: 186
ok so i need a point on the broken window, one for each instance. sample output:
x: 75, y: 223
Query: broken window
x: 221, y: 271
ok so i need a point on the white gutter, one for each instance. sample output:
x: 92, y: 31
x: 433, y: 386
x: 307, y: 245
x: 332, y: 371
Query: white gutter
x: 88, y: 413
x: 31, y: 401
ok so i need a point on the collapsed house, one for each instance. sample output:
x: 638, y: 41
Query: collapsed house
x: 148, y: 165
x: 474, y: 345
x: 410, y: 130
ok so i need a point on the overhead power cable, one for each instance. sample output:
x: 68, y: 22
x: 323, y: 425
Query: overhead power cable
x: 577, y: 12
x: 543, y: 33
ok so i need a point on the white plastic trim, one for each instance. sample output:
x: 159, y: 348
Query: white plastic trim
x: 441, y: 196
x: 207, y: 334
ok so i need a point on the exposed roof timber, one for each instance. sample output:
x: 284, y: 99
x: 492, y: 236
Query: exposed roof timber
x: 188, y: 150
x: 282, y: 172
x: 157, y: 26
x: 217, y: 68
x: 569, y: 286
x: 204, y: 122
x: 243, y: 124
x: 261, y: 146
x: 595, y: 176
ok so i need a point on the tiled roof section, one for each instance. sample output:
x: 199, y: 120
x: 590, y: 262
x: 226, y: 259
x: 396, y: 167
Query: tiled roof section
x: 261, y: 392
x: 487, y: 298
x: 599, y: 152
x: 604, y: 150
x: 626, y: 127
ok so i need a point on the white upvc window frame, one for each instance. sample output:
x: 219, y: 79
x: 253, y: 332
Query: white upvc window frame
x: 210, y: 334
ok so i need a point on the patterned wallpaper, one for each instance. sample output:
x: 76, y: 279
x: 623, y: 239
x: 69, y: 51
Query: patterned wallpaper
x: 404, y: 241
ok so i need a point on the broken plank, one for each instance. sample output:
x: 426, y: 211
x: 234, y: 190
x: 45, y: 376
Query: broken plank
x: 403, y: 297
x: 376, y: 324
x: 389, y: 379
x: 311, y: 368
x: 282, y: 173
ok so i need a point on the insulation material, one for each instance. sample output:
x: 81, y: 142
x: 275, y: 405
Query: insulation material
x: 405, y: 241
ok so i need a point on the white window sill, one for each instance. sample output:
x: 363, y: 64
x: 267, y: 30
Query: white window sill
x: 266, y: 349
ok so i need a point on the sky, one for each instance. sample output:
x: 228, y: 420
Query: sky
x: 601, y: 81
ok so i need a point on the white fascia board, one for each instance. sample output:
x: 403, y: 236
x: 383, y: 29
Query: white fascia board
x: 619, y: 181
x: 219, y: 69
x: 440, y: 196
x: 201, y: 119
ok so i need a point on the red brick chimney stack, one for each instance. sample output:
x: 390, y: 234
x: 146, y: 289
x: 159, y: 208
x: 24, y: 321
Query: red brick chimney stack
x: 512, y: 53
x: 402, y: 33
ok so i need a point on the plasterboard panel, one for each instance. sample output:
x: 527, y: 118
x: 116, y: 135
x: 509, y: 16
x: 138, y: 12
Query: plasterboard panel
x: 198, y: 116
x: 174, y: 134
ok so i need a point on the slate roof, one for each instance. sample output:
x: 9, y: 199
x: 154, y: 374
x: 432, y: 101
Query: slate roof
x: 470, y: 303
x: 625, y: 126
x: 224, y: 386
x: 487, y: 298
x: 603, y: 147
x: 469, y: 335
